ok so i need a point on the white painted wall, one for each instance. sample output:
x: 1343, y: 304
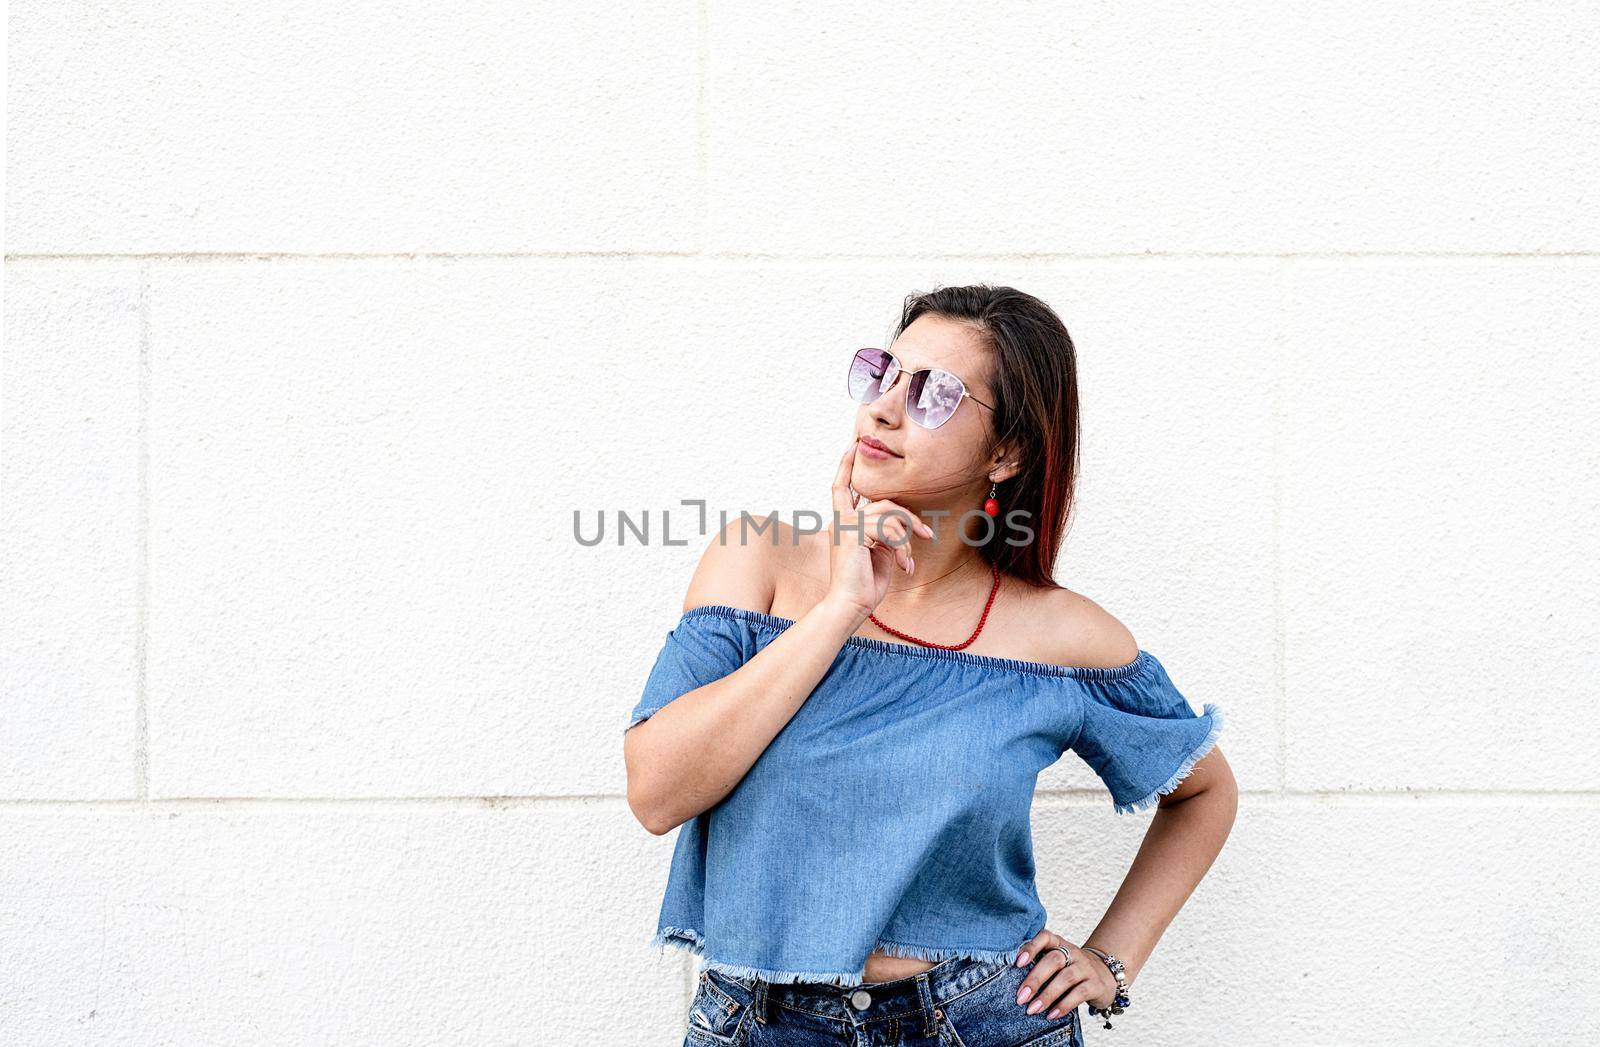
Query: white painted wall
x: 311, y: 707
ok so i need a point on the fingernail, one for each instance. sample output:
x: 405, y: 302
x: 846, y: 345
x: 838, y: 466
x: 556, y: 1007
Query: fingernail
x: 1022, y: 997
x: 1054, y: 1014
x: 913, y: 561
x: 1033, y: 1008
x: 1022, y: 958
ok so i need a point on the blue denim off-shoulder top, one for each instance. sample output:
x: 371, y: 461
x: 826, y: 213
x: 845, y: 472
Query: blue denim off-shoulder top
x: 893, y: 810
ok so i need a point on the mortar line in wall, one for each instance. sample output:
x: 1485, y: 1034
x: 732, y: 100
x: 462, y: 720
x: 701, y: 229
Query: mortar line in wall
x: 1280, y: 673
x: 1582, y: 798
x: 702, y: 211
x: 702, y: 162
x: 1090, y: 798
x: 141, y: 716
x: 695, y: 254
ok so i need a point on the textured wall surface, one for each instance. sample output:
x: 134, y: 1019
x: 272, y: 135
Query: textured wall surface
x: 321, y: 320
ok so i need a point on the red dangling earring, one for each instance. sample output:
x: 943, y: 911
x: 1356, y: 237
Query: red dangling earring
x: 991, y: 506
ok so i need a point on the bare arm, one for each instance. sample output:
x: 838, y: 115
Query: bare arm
x: 693, y: 751
x: 690, y: 754
x: 1185, y: 836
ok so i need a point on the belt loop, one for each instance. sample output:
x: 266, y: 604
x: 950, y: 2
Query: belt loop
x: 929, y: 1027
x: 760, y: 1003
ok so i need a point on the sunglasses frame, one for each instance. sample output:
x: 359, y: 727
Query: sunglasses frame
x: 899, y: 369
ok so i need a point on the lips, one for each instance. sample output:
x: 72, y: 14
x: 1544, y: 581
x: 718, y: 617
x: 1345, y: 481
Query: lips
x: 880, y: 445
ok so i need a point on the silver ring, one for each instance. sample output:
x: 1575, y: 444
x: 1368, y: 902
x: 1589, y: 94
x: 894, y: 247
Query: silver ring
x: 1062, y: 950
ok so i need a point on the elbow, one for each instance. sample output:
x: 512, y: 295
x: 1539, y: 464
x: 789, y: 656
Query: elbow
x: 647, y: 809
x: 657, y: 824
x: 653, y: 821
x: 641, y: 800
x: 654, y: 796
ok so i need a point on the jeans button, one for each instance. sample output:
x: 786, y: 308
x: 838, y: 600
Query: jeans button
x: 861, y: 999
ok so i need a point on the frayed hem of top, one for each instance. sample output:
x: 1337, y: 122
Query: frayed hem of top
x: 692, y: 941
x: 1206, y: 745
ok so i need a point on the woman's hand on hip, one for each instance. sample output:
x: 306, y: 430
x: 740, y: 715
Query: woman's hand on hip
x: 1058, y: 984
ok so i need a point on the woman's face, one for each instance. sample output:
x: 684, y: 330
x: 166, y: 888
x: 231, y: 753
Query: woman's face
x: 946, y: 467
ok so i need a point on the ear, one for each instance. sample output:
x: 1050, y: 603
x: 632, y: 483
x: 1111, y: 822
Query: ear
x: 1005, y: 464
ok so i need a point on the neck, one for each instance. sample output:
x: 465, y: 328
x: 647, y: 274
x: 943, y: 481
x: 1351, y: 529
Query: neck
x: 949, y: 572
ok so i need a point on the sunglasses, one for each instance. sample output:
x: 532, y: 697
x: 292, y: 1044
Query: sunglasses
x: 932, y: 395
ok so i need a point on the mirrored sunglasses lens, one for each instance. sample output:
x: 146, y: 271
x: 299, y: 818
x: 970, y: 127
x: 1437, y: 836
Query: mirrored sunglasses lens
x: 933, y: 397
x: 871, y: 370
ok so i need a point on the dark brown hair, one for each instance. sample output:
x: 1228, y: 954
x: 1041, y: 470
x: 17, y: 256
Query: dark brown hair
x: 1035, y: 378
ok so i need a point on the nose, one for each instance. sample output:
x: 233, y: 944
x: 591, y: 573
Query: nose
x: 890, y: 404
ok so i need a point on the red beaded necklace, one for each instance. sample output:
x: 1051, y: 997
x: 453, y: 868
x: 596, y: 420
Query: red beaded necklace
x: 993, y: 591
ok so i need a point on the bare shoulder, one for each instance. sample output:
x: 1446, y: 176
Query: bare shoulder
x: 1078, y: 631
x: 737, y: 567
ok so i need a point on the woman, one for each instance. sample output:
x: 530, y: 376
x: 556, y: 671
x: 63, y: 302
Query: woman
x: 848, y: 725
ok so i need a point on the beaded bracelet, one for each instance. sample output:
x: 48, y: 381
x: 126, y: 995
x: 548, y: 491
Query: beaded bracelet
x: 1119, y: 1002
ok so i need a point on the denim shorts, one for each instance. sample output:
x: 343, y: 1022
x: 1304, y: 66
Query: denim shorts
x: 960, y: 1002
